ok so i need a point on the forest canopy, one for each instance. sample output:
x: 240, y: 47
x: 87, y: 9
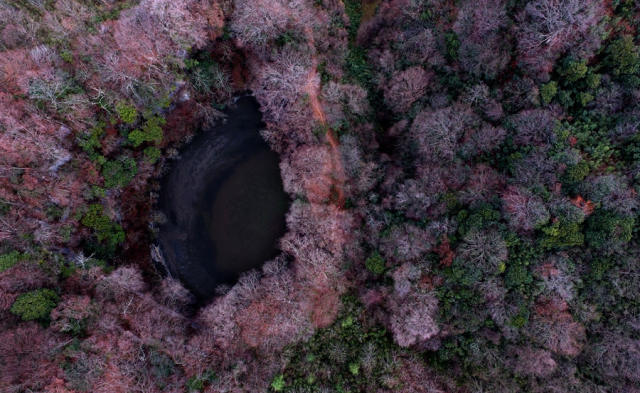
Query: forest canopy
x: 464, y: 177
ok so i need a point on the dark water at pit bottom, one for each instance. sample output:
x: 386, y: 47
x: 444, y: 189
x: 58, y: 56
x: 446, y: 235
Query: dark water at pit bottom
x: 224, y: 203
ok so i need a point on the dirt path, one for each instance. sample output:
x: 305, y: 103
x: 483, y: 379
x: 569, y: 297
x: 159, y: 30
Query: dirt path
x: 312, y: 87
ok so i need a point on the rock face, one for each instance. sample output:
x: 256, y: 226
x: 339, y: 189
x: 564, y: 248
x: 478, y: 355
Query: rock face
x: 224, y: 203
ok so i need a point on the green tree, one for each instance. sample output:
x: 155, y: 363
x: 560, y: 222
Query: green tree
x: 375, y: 263
x: 593, y: 80
x: 106, y: 231
x: 152, y: 154
x: 35, y: 305
x: 606, y: 229
x: 119, y: 173
x: 584, y: 98
x: 562, y: 233
x: 452, y: 43
x: 8, y: 260
x: 576, y: 173
x: 573, y: 70
x: 197, y: 383
x: 278, y: 383
x: 548, y: 91
x: 89, y: 141
x: 623, y: 56
x: 353, y: 9
x: 151, y: 131
x: 126, y: 112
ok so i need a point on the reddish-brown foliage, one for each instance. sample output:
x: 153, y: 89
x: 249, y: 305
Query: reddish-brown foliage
x: 587, y: 206
x: 536, y: 362
x: 24, y: 357
x: 445, y: 252
x: 553, y: 327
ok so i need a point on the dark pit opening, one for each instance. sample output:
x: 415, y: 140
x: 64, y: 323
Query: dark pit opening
x: 224, y: 203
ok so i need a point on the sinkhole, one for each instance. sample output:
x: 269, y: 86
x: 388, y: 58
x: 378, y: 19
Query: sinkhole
x: 223, y: 202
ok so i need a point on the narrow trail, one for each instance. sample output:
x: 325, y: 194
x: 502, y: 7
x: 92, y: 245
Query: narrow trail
x: 312, y: 87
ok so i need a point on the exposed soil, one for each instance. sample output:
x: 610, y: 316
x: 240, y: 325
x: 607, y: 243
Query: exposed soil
x: 312, y: 88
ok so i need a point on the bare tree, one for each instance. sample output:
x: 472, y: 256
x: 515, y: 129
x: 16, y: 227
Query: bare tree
x: 438, y: 132
x: 534, y: 126
x: 484, y: 49
x: 413, y: 318
x: 406, y: 87
x: 546, y: 28
x: 532, y: 361
x: 483, y: 250
x: 524, y: 210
